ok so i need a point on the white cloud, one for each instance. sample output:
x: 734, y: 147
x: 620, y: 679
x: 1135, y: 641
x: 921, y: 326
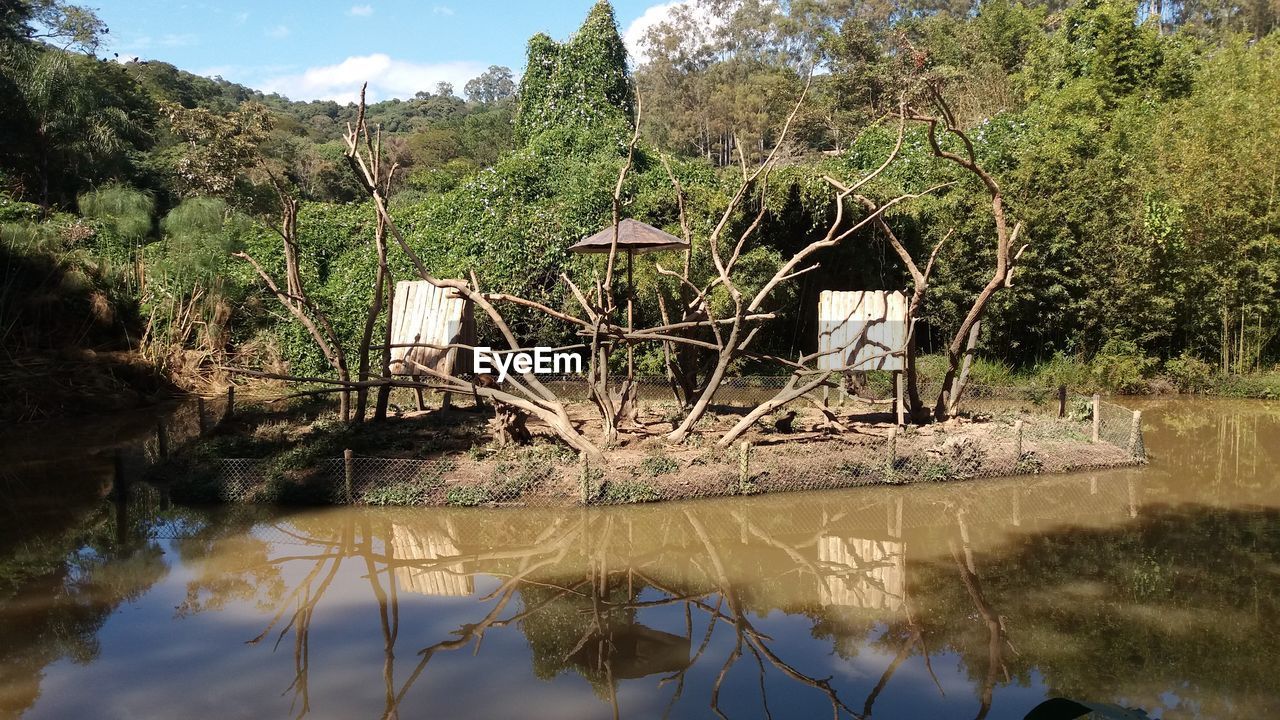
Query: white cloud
x: 386, y: 76
x: 633, y: 36
x: 241, y: 18
x: 442, y: 10
x: 360, y: 10
x: 178, y: 40
x: 279, y: 31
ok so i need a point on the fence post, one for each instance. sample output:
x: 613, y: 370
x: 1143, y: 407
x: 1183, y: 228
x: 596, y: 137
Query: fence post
x: 1135, y: 435
x: 744, y: 466
x: 1062, y: 401
x: 162, y: 441
x: 1017, y: 431
x: 1097, y: 415
x: 231, y: 404
x: 899, y: 401
x: 584, y: 478
x: 892, y: 455
x: 348, y: 470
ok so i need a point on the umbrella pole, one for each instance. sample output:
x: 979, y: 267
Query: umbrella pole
x: 631, y: 358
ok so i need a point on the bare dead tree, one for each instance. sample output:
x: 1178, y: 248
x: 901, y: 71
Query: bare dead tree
x: 920, y: 286
x: 529, y: 394
x: 383, y: 288
x: 317, y: 325
x: 960, y: 349
x: 734, y: 341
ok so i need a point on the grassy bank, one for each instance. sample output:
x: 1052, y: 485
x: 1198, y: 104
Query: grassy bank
x: 1119, y: 371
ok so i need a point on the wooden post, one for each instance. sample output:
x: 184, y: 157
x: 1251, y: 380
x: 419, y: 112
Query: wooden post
x: 1097, y: 415
x: 348, y: 470
x: 162, y: 441
x: 1135, y: 434
x: 1017, y: 432
x: 422, y: 401
x: 584, y: 478
x: 201, y: 423
x: 899, y: 402
x: 744, y: 466
x: 892, y: 455
x: 230, y: 410
x: 1062, y: 401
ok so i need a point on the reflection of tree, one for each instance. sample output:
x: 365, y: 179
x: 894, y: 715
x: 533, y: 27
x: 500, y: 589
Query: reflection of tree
x: 60, y: 585
x: 597, y: 593
x: 1182, y: 603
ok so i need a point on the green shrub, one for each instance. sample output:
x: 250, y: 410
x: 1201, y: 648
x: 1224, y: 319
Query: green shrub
x: 1122, y: 368
x: 1189, y: 373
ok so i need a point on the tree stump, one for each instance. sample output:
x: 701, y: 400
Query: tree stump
x: 509, y: 425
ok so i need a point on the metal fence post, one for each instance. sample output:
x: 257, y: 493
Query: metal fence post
x: 1097, y: 415
x: 744, y: 465
x: 584, y: 478
x: 1017, y: 431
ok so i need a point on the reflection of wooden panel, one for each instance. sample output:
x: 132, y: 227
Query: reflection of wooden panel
x: 424, y: 313
x: 842, y: 318
x: 868, y: 574
x: 417, y: 544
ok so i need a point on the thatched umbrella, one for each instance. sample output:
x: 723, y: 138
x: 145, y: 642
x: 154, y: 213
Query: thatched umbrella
x: 633, y: 237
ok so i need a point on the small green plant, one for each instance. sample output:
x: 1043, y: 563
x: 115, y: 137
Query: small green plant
x: 1081, y: 409
x: 937, y: 470
x: 655, y: 465
x: 629, y: 491
x: 467, y: 495
x: 1029, y: 464
x: 857, y: 471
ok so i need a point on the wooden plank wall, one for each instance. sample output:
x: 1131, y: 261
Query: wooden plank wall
x: 842, y: 316
x: 424, y: 313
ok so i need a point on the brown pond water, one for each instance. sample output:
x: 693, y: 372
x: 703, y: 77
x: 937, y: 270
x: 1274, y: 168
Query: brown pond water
x: 1156, y: 588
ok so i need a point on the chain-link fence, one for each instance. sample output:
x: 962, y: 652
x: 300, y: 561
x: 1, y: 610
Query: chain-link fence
x: 1003, y: 431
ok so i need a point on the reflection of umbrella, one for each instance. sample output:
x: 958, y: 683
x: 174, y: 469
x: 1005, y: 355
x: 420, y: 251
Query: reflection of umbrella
x: 633, y: 237
x: 634, y: 651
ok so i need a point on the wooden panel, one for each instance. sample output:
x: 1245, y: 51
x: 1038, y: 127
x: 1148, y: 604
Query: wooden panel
x: 424, y: 313
x: 867, y: 574
x: 857, y: 330
x: 409, y: 543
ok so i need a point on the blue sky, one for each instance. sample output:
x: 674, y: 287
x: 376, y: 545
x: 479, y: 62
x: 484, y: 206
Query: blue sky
x: 325, y: 49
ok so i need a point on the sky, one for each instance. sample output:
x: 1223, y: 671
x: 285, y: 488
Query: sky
x: 324, y: 49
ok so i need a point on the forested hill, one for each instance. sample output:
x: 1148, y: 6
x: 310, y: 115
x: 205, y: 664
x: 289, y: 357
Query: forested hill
x: 1135, y: 143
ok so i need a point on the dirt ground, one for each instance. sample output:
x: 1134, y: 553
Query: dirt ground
x: 442, y: 457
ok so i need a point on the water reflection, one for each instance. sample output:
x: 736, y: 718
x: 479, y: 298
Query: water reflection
x: 1153, y: 588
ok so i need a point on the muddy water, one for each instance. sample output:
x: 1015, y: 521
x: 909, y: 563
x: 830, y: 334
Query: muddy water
x: 1156, y: 588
